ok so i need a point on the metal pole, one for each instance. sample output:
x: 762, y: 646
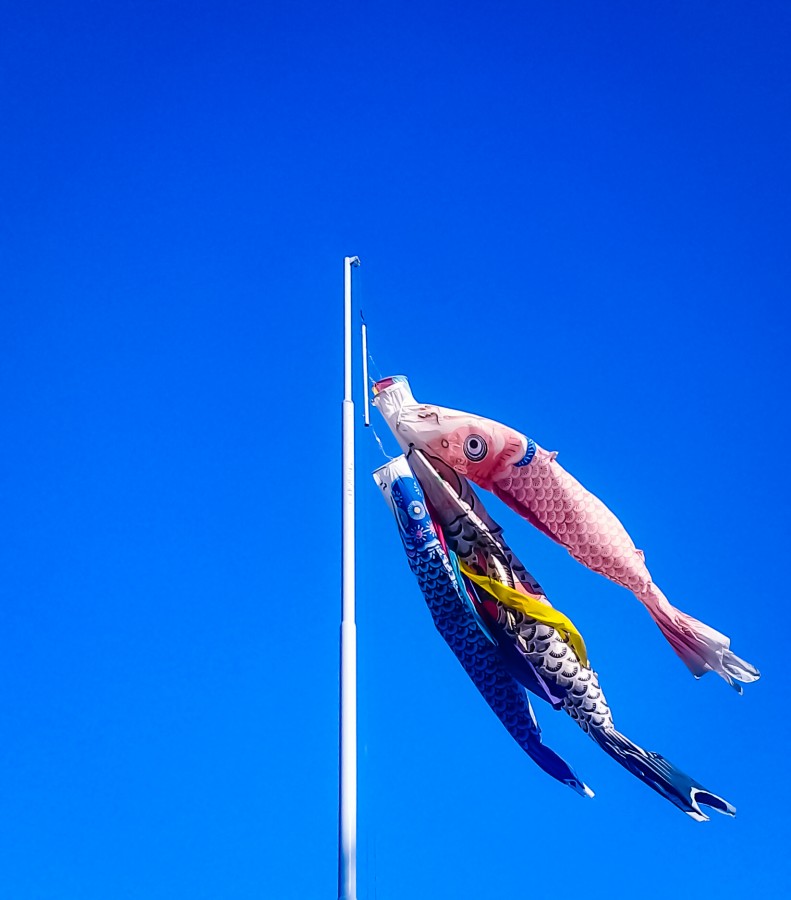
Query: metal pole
x: 364, y: 336
x: 347, y: 842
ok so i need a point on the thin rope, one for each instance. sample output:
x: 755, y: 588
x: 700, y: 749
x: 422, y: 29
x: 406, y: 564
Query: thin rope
x: 381, y: 445
x: 372, y: 361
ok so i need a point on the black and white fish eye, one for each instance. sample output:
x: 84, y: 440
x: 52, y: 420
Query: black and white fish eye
x: 475, y: 447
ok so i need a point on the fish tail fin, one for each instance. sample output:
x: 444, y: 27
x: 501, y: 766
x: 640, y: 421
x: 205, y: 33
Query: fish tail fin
x: 552, y: 763
x: 661, y: 775
x: 701, y: 648
x: 526, y: 731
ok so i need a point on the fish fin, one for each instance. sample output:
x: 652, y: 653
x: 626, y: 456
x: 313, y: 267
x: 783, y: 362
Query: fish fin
x: 701, y: 648
x: 661, y: 775
x: 552, y: 763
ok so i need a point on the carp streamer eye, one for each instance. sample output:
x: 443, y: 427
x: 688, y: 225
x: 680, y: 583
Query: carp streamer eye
x: 416, y: 510
x: 475, y: 448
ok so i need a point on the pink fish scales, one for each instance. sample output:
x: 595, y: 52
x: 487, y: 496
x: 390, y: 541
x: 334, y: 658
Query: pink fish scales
x: 530, y: 480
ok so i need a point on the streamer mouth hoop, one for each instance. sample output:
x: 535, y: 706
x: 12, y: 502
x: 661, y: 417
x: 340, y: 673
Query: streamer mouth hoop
x: 383, y: 383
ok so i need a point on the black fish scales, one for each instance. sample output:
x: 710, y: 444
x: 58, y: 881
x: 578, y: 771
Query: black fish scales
x: 474, y: 651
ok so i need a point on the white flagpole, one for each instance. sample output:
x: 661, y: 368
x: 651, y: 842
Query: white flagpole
x: 347, y: 841
x: 364, y: 339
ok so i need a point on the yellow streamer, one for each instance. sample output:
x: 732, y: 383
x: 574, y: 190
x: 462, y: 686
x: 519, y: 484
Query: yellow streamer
x: 535, y: 609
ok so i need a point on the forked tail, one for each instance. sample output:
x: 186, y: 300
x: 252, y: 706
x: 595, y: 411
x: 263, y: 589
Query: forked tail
x: 546, y: 758
x: 661, y: 775
x: 701, y: 648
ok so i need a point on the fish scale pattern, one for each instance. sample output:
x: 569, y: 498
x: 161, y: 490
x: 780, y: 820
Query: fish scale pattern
x: 552, y: 499
x: 481, y: 546
x: 545, y: 494
x: 450, y: 447
x: 456, y: 623
x: 478, y: 541
x: 471, y: 647
x: 583, y: 698
x: 527, y: 478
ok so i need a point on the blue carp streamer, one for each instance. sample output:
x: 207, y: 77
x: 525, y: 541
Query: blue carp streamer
x: 458, y: 625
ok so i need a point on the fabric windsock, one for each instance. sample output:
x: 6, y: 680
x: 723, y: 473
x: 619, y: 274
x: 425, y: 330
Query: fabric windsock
x: 531, y: 481
x: 456, y: 620
x: 539, y: 645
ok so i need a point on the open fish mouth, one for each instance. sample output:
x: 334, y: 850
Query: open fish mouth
x: 700, y: 798
x: 383, y: 383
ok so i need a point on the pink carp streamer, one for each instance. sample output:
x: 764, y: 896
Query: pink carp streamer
x: 530, y: 480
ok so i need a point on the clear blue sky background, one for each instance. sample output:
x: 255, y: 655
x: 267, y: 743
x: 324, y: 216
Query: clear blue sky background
x: 573, y: 218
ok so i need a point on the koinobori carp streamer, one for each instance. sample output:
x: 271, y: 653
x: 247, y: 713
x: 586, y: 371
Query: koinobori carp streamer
x: 458, y: 623
x: 539, y: 645
x: 529, y: 479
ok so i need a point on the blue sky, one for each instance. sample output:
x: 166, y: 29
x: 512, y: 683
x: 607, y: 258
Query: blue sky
x: 572, y: 218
